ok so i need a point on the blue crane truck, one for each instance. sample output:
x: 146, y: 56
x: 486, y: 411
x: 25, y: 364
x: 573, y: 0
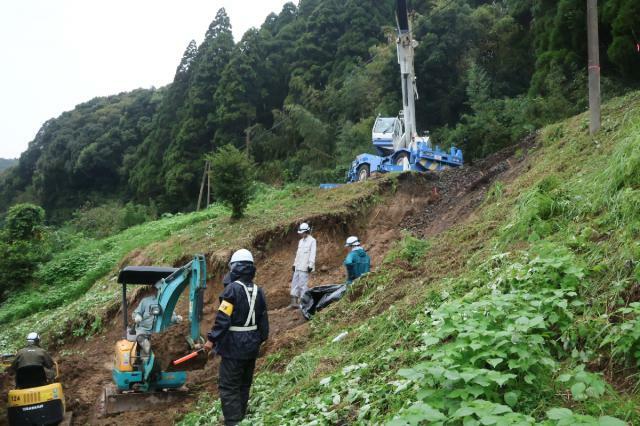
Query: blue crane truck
x: 398, y: 145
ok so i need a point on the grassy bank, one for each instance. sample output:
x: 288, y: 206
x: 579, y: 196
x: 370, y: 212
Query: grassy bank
x: 528, y: 314
x: 77, y: 287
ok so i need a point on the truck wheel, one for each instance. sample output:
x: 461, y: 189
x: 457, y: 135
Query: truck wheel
x: 363, y: 172
x: 403, y: 160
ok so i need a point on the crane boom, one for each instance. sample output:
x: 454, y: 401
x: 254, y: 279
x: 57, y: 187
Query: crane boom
x: 405, y: 45
x: 396, y: 140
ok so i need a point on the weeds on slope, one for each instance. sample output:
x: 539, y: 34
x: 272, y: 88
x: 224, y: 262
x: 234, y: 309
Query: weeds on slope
x: 490, y: 356
x: 76, y: 287
x: 517, y: 319
x: 70, y: 275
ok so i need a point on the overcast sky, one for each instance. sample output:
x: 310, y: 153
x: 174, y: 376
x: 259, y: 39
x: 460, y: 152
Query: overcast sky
x: 59, y: 53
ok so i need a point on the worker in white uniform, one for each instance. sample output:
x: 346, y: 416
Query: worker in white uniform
x: 303, y: 265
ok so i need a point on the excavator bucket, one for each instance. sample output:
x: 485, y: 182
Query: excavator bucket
x: 114, y: 402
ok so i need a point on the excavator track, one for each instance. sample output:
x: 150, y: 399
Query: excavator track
x: 114, y: 402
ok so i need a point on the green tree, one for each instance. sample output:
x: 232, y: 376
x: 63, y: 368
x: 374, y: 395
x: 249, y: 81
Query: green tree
x: 24, y: 222
x: 240, y: 91
x: 232, y: 178
x: 624, y: 18
x: 22, y: 247
x: 184, y: 158
x: 145, y: 164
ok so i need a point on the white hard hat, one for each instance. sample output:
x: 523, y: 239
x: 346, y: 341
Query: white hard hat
x: 242, y: 255
x: 33, y: 337
x: 352, y: 242
x: 304, y: 227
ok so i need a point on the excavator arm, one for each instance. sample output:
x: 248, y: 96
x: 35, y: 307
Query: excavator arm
x: 193, y: 274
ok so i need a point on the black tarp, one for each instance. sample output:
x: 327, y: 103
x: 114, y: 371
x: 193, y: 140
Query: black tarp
x: 318, y: 298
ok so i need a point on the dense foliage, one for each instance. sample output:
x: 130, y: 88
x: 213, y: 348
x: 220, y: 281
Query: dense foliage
x: 22, y: 247
x: 78, y: 157
x: 109, y: 218
x: 301, y: 92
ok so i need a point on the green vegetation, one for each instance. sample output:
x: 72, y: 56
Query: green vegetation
x: 528, y: 314
x: 22, y: 247
x: 232, y: 178
x: 75, y: 289
x: 79, y: 155
x: 109, y: 218
x: 301, y: 92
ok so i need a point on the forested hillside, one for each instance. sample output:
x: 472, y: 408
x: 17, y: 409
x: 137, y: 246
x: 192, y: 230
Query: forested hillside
x: 301, y: 92
x: 5, y: 163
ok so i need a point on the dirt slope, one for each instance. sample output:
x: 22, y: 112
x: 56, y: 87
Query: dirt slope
x: 424, y: 204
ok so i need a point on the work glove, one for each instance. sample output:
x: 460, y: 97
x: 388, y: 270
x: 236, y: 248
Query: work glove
x: 137, y: 318
x: 309, y: 269
x: 178, y: 319
x: 208, y: 347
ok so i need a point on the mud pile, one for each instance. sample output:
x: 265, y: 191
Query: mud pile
x: 171, y: 345
x: 456, y: 193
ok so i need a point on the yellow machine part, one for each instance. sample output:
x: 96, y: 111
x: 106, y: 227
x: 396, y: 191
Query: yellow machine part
x: 5, y: 361
x: 125, y: 355
x: 39, y: 395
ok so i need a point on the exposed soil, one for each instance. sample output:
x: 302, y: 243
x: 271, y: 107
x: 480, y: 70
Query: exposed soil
x: 5, y: 384
x: 458, y: 192
x: 424, y: 204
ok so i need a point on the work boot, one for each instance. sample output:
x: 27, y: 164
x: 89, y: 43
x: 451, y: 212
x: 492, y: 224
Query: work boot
x: 294, y: 303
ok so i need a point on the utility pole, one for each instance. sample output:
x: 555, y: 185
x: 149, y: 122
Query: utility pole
x: 594, y: 65
x: 208, y: 183
x: 205, y: 175
x: 247, y: 140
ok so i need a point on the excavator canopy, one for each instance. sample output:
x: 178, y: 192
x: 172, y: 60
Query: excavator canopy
x: 144, y: 275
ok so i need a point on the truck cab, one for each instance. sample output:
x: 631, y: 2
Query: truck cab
x: 386, y: 134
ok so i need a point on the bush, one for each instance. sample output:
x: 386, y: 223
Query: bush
x: 232, y: 178
x: 24, y: 222
x: 409, y: 249
x: 110, y: 218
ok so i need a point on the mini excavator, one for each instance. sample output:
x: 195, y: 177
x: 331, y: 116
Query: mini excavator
x: 35, y: 401
x: 141, y: 382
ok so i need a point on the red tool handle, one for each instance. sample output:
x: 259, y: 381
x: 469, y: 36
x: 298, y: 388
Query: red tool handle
x: 186, y: 357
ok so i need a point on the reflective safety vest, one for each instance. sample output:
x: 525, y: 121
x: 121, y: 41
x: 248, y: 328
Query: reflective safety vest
x: 250, y: 323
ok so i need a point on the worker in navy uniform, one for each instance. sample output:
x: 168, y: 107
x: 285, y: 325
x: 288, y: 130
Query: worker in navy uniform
x: 29, y: 358
x: 240, y: 327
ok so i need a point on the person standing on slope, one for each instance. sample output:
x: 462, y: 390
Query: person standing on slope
x: 240, y: 327
x: 357, y: 261
x: 303, y: 265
